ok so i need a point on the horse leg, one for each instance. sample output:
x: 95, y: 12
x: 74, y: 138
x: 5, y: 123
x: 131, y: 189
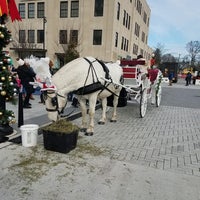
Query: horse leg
x: 84, y: 114
x: 103, y: 117
x: 92, y: 105
x: 114, y: 114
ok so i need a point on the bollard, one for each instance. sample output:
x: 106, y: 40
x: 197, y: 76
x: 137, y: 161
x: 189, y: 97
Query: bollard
x: 20, y: 110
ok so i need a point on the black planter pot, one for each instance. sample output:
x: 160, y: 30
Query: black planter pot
x: 60, y: 142
x: 5, y: 129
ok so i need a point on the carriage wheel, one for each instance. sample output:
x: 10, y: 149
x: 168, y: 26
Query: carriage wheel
x: 158, y: 96
x: 143, y: 103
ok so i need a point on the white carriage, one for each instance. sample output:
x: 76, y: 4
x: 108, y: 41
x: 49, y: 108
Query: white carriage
x: 138, y: 84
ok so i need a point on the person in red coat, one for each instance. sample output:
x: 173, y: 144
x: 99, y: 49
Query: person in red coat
x: 153, y: 74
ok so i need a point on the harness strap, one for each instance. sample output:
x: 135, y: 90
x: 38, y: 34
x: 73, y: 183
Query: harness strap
x: 105, y: 68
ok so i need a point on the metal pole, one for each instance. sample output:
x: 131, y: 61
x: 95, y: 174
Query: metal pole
x: 20, y: 109
x: 44, y: 22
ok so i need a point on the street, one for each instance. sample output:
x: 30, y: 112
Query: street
x: 155, y: 157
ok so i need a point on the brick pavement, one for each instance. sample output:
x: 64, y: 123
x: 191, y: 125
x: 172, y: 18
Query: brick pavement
x: 167, y: 138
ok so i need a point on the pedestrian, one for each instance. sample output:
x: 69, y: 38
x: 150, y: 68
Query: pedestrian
x: 152, y: 74
x: 188, y: 78
x: 170, y: 77
x: 26, y: 75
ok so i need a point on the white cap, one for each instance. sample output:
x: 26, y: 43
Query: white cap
x: 20, y: 62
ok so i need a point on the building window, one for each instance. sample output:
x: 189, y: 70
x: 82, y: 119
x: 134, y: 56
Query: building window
x: 127, y: 44
x: 122, y: 44
x: 31, y: 36
x: 124, y: 18
x: 135, y: 49
x: 116, y: 39
x: 40, y: 10
x: 139, y: 7
x: 22, y: 10
x: 74, y: 36
x: 98, y: 8
x: 143, y: 36
x: 74, y: 8
x: 22, y: 36
x: 40, y: 36
x: 63, y: 9
x: 63, y: 37
x: 31, y: 10
x: 127, y: 18
x: 145, y: 17
x: 118, y: 10
x: 137, y: 30
x: 97, y: 37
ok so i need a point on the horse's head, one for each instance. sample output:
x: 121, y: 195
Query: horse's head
x: 55, y: 104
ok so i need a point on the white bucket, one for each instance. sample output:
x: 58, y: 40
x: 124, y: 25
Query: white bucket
x: 29, y: 134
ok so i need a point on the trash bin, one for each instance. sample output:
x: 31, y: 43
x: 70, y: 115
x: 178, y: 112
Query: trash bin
x: 29, y: 135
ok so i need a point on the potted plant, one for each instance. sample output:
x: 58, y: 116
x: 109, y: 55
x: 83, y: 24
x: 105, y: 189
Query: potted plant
x: 60, y: 136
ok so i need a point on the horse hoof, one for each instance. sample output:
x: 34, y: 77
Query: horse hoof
x: 101, y: 123
x: 83, y: 129
x: 113, y: 120
x: 89, y: 133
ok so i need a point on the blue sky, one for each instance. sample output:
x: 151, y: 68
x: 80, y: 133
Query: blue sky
x: 174, y: 23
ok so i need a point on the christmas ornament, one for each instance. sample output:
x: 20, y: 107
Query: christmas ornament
x: 3, y: 93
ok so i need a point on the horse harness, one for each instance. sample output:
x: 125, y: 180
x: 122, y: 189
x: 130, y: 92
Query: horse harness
x: 54, y: 101
x: 96, y: 85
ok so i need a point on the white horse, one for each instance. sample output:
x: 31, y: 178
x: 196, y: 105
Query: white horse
x: 90, y: 79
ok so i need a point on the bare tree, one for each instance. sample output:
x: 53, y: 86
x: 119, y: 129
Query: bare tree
x: 193, y: 48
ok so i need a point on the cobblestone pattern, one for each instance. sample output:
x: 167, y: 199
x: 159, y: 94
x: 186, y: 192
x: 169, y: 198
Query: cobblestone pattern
x: 167, y: 138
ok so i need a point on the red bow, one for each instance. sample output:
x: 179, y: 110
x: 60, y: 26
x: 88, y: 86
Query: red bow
x: 9, y: 7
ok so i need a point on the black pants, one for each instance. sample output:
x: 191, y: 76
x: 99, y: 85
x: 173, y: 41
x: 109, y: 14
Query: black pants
x: 29, y: 90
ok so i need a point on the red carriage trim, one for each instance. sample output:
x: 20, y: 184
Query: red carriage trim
x: 129, y: 72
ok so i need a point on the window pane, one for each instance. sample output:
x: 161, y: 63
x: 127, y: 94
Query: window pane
x: 31, y: 36
x: 63, y: 37
x: 22, y: 10
x: 74, y: 9
x: 31, y: 10
x: 40, y: 10
x: 74, y: 36
x: 63, y: 9
x: 116, y: 39
x: 98, y: 8
x: 118, y: 10
x: 97, y: 37
x: 22, y: 36
x: 40, y: 36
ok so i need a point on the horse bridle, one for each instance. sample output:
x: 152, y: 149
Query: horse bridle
x: 54, y: 101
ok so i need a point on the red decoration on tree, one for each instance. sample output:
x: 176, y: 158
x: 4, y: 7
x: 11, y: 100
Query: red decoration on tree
x: 8, y: 7
x: 14, y: 14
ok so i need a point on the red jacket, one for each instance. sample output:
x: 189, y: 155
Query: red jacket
x: 153, y: 74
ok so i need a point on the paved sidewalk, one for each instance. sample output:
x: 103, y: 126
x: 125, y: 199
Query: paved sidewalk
x: 156, y: 157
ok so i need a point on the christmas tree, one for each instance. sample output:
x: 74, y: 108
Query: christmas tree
x: 8, y: 90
